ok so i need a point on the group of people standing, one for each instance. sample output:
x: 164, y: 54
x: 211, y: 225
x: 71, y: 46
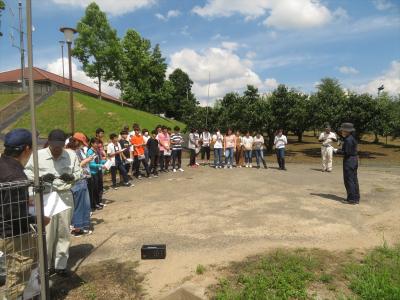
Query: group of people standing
x: 238, y: 149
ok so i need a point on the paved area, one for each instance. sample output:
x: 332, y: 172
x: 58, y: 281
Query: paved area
x: 208, y: 216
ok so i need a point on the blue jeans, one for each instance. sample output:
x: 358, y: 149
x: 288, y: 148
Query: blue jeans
x: 229, y: 156
x: 260, y: 157
x: 280, y: 155
x: 248, y: 156
x: 217, y: 157
x: 81, y: 214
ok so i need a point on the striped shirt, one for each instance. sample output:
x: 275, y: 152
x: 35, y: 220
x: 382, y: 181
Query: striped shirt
x: 176, y: 141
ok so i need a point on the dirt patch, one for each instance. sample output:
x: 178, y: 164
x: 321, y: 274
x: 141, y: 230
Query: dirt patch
x: 79, y: 106
x: 213, y: 217
x: 106, y: 280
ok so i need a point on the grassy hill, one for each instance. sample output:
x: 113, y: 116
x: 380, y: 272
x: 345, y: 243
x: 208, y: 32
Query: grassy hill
x: 90, y: 113
x: 5, y: 99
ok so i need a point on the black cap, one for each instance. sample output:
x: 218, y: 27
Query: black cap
x: 349, y: 127
x: 57, y: 137
x: 18, y: 138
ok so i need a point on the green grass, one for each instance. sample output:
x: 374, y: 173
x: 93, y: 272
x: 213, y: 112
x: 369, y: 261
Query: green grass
x: 314, y: 274
x: 280, y: 275
x: 5, y: 99
x: 378, y: 276
x: 90, y: 113
x: 200, y: 269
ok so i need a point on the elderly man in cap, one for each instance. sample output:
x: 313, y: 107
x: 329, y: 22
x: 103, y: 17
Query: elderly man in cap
x: 61, y: 167
x: 327, y: 138
x: 350, y: 163
x: 17, y: 242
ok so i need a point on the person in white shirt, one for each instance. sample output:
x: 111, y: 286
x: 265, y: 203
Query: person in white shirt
x: 247, y: 141
x: 327, y: 138
x: 205, y: 140
x: 218, y: 139
x: 280, y: 143
x: 258, y: 142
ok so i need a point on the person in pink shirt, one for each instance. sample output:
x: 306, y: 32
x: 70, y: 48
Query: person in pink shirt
x: 229, y: 146
x: 164, y: 146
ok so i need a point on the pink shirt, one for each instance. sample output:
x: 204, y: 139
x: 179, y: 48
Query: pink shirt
x: 230, y: 141
x: 163, y: 139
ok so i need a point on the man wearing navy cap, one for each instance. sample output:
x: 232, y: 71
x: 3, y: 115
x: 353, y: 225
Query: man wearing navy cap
x: 16, y: 241
x: 61, y: 167
x: 350, y: 163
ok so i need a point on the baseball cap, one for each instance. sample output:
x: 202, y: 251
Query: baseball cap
x: 57, y: 137
x: 18, y: 138
x: 80, y: 137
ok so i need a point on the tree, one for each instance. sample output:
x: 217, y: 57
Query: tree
x: 144, y: 70
x: 183, y: 102
x: 382, y: 116
x: 299, y: 114
x: 281, y: 102
x: 328, y: 103
x: 97, y: 46
x: 2, y: 7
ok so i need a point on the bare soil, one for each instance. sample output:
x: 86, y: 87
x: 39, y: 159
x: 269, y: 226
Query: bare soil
x: 213, y: 217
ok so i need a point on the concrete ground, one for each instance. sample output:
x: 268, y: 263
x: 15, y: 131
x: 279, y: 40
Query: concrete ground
x: 212, y: 217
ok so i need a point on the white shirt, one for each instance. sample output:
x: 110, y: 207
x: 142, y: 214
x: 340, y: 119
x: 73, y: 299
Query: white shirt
x: 247, y: 142
x: 206, y: 138
x: 218, y: 139
x: 111, y: 148
x: 259, y: 142
x: 280, y: 141
x: 327, y: 138
x: 68, y: 163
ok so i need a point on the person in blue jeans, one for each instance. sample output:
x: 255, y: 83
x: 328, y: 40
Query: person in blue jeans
x: 96, y: 166
x: 80, y: 191
x: 258, y: 141
x: 229, y: 146
x: 280, y: 143
x: 217, y: 140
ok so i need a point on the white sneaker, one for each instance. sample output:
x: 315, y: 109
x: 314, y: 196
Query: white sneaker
x: 197, y: 164
x: 180, y: 169
x: 226, y: 167
x: 247, y: 165
x: 230, y: 167
x: 250, y: 166
x: 174, y: 170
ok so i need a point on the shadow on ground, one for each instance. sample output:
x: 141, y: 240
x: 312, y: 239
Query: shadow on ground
x: 329, y: 196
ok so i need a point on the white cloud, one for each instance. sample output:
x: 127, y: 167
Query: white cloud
x: 390, y: 79
x: 231, y: 46
x: 348, y: 70
x: 170, y: 14
x: 271, y: 83
x: 80, y: 76
x: 382, y: 4
x: 219, y: 36
x: 282, y: 14
x: 227, y: 70
x: 112, y: 7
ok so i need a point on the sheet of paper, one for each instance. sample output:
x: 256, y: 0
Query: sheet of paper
x: 53, y: 204
x: 108, y: 164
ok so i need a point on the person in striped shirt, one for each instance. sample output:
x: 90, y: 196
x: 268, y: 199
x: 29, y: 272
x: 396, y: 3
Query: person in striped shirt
x: 176, y: 142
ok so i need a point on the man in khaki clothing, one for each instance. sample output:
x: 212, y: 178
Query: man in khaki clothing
x: 64, y: 167
x: 327, y: 138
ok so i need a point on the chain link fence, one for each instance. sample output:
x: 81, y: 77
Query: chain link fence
x: 19, y: 267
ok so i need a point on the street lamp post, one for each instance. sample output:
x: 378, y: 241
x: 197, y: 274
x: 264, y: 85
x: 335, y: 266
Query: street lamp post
x: 380, y: 89
x: 69, y: 36
x: 62, y: 57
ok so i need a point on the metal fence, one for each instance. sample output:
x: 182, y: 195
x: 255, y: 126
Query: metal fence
x: 19, y: 267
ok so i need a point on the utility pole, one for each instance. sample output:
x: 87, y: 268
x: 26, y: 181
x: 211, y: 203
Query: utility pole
x: 208, y: 97
x: 41, y: 237
x: 21, y: 45
x: 62, y: 57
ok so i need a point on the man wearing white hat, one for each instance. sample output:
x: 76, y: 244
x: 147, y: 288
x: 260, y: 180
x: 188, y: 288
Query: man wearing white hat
x: 327, y: 138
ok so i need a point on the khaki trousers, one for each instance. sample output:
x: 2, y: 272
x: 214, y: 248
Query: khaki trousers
x: 327, y: 157
x: 20, y: 255
x: 58, y: 235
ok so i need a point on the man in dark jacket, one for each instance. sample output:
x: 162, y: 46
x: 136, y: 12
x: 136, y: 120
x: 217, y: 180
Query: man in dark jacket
x: 350, y: 163
x: 16, y: 242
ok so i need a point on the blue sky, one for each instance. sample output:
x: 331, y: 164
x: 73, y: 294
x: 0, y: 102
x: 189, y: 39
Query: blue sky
x: 261, y: 42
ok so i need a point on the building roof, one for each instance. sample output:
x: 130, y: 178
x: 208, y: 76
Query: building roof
x: 43, y: 75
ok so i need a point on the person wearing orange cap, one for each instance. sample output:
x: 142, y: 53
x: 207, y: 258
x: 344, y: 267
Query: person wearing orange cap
x: 80, y: 191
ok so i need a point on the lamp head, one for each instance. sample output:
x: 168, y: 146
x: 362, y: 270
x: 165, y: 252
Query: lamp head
x: 68, y: 33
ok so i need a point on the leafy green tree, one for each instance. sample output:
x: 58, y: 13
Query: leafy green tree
x: 2, y: 7
x: 97, y: 46
x: 382, y: 118
x: 299, y: 113
x: 144, y: 71
x: 328, y: 103
x: 183, y: 102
